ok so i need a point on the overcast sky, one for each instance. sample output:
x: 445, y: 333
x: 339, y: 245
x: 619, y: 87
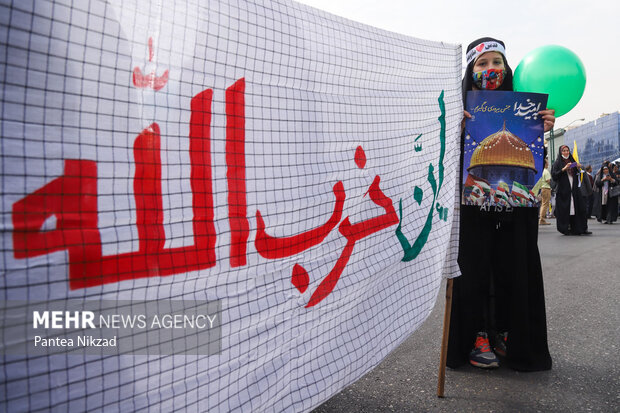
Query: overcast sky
x: 591, y: 29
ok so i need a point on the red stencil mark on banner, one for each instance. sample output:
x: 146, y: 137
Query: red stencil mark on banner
x: 300, y: 278
x: 360, y: 157
x: 151, y: 80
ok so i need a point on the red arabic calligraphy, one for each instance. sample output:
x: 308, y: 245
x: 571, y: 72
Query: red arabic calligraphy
x: 354, y: 233
x: 272, y: 247
x: 235, y: 175
x: 72, y: 199
x: 151, y: 80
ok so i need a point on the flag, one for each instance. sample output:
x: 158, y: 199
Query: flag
x: 576, y: 157
x: 477, y: 194
x: 516, y: 200
x: 520, y: 190
x: 504, y: 186
x: 476, y: 189
x: 483, y: 184
x: 536, y: 189
x: 472, y: 180
x: 502, y: 194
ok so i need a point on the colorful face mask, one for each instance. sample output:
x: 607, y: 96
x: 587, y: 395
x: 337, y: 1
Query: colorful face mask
x: 489, y: 79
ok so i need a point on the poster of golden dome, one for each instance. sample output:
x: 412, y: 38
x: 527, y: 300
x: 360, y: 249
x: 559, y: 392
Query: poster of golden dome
x: 503, y: 148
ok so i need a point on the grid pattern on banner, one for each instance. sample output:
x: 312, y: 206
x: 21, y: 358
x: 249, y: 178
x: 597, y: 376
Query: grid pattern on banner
x: 295, y: 166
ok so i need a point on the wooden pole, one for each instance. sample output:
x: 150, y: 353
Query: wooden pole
x: 444, y: 341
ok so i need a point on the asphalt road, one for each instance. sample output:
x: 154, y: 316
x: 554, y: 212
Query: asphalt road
x: 582, y: 280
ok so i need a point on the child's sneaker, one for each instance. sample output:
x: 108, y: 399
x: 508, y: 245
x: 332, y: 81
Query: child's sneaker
x: 482, y: 356
x: 500, y: 344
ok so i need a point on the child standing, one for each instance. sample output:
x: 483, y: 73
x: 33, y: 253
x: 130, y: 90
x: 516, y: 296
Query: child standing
x: 500, y: 293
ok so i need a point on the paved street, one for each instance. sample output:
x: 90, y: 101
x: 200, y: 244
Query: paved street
x: 582, y: 280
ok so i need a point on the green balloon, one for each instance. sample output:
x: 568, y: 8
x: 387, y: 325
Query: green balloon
x: 554, y: 70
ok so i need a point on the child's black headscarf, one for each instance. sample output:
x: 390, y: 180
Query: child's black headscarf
x: 468, y: 80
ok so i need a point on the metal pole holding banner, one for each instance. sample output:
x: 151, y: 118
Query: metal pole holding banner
x: 444, y: 341
x: 552, y: 147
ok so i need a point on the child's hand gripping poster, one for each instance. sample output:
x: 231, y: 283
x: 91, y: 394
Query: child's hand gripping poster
x: 503, y: 148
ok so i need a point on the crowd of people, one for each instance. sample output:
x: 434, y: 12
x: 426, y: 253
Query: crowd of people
x: 577, y: 194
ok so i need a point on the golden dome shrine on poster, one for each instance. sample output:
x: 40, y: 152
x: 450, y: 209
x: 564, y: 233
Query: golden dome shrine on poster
x: 502, y: 148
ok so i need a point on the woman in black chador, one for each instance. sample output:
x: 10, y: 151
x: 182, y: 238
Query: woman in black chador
x: 606, y: 206
x: 500, y: 292
x: 570, y: 206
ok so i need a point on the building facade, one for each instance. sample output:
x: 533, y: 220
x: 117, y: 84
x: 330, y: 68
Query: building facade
x: 597, y: 141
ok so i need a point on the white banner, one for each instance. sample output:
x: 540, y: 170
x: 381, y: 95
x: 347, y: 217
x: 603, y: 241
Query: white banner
x: 295, y: 167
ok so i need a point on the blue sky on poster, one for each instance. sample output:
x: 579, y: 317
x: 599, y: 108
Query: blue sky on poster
x: 591, y: 29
